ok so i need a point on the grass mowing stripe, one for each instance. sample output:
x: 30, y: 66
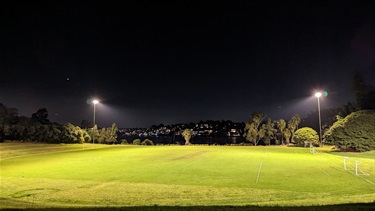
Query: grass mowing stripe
x: 178, y: 169
x: 50, y: 150
x: 43, y: 153
x: 322, y: 170
x: 260, y: 167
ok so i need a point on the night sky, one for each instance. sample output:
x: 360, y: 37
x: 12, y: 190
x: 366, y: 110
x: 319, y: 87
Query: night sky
x: 152, y: 62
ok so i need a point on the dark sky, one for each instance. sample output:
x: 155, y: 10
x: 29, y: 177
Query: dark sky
x: 152, y: 62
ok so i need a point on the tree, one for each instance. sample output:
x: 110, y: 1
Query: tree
x: 355, y: 132
x: 365, y: 94
x: 137, y: 142
x: 48, y: 133
x: 287, y: 134
x: 111, y: 134
x: 270, y: 132
x: 281, y: 125
x: 261, y: 133
x: 8, y: 114
x: 69, y: 133
x: 94, y: 133
x: 293, y: 125
x: 39, y: 128
x: 85, y: 136
x: 8, y: 117
x: 306, y: 134
x: 253, y: 132
x: 187, y: 136
x: 147, y: 142
x: 78, y: 135
x: 74, y: 134
x: 41, y: 116
x: 20, y: 128
x: 346, y: 109
x: 102, y: 135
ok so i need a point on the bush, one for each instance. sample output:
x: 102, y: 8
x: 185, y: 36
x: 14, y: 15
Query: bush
x: 147, y: 142
x: 124, y: 141
x: 137, y: 142
x: 354, y: 132
x: 306, y: 134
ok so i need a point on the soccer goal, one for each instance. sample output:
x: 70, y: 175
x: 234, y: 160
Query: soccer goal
x: 353, y: 165
x: 312, y: 149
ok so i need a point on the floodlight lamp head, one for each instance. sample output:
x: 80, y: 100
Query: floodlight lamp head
x: 318, y: 94
x: 95, y: 101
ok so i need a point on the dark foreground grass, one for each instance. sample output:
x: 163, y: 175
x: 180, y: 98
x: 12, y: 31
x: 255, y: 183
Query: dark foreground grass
x: 348, y: 207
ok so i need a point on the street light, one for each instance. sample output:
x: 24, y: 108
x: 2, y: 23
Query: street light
x: 94, y: 102
x: 318, y: 95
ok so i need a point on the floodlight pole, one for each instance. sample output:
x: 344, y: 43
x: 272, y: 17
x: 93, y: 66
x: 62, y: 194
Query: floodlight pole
x: 318, y: 94
x: 95, y: 102
x: 94, y: 115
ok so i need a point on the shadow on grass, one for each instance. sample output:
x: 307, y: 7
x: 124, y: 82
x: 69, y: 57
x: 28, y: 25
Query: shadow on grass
x: 359, y: 206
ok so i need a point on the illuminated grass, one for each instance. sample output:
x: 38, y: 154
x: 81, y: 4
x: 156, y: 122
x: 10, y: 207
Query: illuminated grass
x: 68, y: 176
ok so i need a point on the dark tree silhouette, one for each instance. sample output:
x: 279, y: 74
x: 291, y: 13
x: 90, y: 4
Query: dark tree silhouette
x: 365, y: 94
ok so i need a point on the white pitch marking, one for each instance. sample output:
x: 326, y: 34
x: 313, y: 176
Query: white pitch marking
x: 260, y: 166
x: 367, y: 180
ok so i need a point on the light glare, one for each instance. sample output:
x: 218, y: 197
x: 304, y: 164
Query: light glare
x: 318, y: 94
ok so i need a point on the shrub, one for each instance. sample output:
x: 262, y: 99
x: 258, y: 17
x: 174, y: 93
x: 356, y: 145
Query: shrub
x: 147, y: 142
x: 124, y: 141
x: 137, y: 142
x: 354, y: 132
x: 306, y: 134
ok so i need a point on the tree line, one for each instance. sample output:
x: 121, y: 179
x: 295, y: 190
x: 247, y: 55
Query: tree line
x: 338, y: 128
x: 261, y: 129
x: 39, y: 128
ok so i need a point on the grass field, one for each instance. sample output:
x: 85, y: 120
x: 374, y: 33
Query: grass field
x: 64, y: 176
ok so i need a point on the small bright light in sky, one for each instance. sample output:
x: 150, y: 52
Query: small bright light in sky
x: 318, y: 94
x: 95, y: 101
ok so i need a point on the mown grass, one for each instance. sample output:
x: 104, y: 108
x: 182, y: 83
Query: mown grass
x: 70, y: 176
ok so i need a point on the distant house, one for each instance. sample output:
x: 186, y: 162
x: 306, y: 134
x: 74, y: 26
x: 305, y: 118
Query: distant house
x: 234, y: 132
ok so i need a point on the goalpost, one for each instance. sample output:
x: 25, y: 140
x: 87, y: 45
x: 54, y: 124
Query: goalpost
x: 312, y: 149
x: 353, y: 165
